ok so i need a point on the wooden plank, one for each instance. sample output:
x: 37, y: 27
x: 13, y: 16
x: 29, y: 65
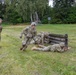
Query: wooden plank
x: 54, y: 41
x: 57, y: 35
x: 57, y: 39
x: 66, y: 40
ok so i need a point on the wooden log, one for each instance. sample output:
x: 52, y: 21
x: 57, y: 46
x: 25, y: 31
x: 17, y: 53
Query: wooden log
x: 66, y: 40
x: 57, y: 39
x: 57, y: 35
x: 54, y: 41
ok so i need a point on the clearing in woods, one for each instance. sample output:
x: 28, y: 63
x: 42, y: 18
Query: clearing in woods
x: 15, y: 62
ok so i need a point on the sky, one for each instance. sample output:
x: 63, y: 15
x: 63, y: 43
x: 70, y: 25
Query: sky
x: 51, y: 3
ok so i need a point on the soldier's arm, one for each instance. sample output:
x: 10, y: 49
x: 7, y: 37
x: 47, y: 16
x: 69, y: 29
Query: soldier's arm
x: 23, y: 32
x: 59, y: 49
x: 35, y: 33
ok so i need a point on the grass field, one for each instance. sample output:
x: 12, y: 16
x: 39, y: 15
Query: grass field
x: 15, y: 62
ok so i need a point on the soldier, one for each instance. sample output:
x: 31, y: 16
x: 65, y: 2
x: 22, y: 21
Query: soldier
x: 45, y: 37
x: 0, y: 28
x: 53, y: 48
x: 29, y: 34
x: 37, y: 40
x: 41, y: 38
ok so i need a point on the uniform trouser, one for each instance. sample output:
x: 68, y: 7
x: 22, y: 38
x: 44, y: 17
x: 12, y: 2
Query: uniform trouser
x: 26, y: 42
x: 43, y: 48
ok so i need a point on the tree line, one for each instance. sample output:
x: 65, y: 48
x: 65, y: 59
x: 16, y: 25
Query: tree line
x: 21, y: 11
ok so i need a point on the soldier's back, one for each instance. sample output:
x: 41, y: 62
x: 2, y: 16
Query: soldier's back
x: 55, y: 47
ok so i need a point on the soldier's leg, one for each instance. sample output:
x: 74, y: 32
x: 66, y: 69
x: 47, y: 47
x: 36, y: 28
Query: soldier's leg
x: 23, y: 45
x: 41, y: 46
x: 37, y: 49
x: 40, y: 49
x: 24, y: 42
x: 27, y: 43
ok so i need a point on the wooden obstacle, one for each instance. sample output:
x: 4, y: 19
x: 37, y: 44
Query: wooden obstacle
x: 53, y: 39
x: 57, y: 38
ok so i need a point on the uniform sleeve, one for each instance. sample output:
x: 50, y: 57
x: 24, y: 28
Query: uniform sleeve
x: 24, y: 31
x: 35, y: 33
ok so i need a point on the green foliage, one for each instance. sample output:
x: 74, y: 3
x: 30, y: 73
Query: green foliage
x: 20, y: 11
x: 63, y: 12
x: 72, y: 15
x: 2, y: 9
x: 19, y: 20
x: 13, y: 17
x: 27, y: 7
x: 44, y: 20
x: 47, y: 13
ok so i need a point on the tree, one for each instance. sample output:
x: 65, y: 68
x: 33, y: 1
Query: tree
x: 29, y: 8
x: 72, y: 15
x: 2, y: 9
x: 61, y: 10
x: 11, y: 14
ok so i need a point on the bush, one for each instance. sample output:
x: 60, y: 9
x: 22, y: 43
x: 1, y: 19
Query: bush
x: 44, y: 20
x: 13, y: 17
x: 72, y: 15
x: 56, y: 21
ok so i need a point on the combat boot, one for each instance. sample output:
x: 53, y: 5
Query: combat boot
x: 22, y: 47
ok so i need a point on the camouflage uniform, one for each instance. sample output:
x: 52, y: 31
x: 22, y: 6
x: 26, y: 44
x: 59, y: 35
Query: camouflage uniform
x: 53, y: 48
x: 41, y: 38
x: 29, y: 34
x: 37, y: 40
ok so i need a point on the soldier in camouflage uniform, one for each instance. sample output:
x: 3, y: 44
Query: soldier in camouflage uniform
x: 29, y: 34
x: 41, y: 38
x: 0, y: 28
x: 53, y: 48
x: 37, y: 40
x: 45, y: 37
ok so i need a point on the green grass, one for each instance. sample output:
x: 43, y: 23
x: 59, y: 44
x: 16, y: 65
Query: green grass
x: 15, y: 62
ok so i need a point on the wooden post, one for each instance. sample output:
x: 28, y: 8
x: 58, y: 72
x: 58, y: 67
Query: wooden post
x: 66, y: 40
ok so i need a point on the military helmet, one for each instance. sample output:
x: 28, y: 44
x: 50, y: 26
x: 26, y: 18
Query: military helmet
x: 62, y: 44
x: 33, y: 23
